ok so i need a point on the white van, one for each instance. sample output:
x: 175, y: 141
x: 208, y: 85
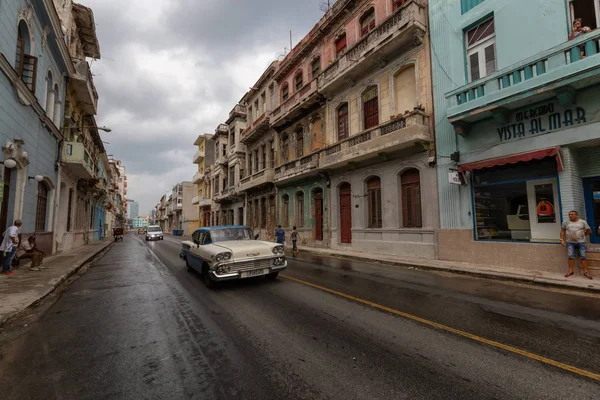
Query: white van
x: 154, y: 232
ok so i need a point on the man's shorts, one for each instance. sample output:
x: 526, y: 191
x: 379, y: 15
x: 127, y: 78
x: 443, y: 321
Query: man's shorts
x: 573, y: 248
x: 294, y: 244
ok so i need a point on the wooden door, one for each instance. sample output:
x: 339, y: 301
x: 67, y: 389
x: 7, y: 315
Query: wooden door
x: 319, y: 216
x: 371, y: 113
x: 346, y: 213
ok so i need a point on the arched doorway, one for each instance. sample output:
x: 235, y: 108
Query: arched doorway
x: 345, y: 213
x: 318, y: 204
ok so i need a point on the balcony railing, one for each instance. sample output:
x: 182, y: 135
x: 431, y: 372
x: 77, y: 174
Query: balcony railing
x: 239, y: 111
x: 259, y: 126
x: 83, y: 83
x: 199, y: 156
x: 298, y: 167
x: 257, y: 179
x: 78, y: 161
x: 295, y: 100
x: 195, y: 200
x: 204, y: 202
x: 399, y: 33
x: 198, y: 177
x: 222, y: 129
x: 549, y: 71
x: 410, y: 130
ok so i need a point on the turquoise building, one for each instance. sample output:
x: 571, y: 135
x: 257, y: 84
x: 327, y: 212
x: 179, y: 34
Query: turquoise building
x: 517, y: 100
x: 34, y: 64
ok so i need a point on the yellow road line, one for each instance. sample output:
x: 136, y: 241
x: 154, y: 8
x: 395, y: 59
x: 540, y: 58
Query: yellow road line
x: 476, y: 338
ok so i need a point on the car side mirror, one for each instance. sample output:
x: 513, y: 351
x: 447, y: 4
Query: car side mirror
x: 256, y: 236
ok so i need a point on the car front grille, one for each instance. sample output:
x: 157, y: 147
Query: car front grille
x: 251, y: 264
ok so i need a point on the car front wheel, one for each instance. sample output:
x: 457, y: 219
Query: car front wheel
x: 273, y: 275
x: 208, y: 281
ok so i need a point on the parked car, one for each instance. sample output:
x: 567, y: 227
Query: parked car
x: 224, y: 253
x: 154, y: 232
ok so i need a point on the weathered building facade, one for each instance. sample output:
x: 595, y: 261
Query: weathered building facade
x: 204, y: 158
x: 83, y: 193
x: 518, y: 128
x: 355, y: 131
x: 259, y: 138
x: 339, y: 136
x: 228, y: 207
x: 35, y: 64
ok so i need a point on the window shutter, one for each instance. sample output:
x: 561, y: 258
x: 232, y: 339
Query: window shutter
x: 340, y: 45
x: 490, y: 59
x: 20, y: 57
x: 474, y: 66
x: 343, y: 122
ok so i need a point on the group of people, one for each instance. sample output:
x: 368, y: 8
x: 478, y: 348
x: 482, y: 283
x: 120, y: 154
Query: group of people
x: 280, y: 237
x: 12, y: 249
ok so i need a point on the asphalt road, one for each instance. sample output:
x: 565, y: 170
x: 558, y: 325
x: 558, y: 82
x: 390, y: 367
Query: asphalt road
x: 137, y: 325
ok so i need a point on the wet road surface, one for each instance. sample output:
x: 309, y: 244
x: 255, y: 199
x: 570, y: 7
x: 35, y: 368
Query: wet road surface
x: 137, y: 325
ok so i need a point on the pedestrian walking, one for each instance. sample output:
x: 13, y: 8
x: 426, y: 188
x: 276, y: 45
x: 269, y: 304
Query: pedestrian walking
x: 9, y: 246
x: 29, y: 249
x: 573, y: 236
x: 280, y: 235
x: 294, y: 236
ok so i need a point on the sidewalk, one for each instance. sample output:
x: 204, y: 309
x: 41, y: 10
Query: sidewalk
x: 25, y: 288
x: 577, y: 281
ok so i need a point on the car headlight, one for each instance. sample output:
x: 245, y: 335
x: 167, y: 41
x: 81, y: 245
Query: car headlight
x: 279, y: 261
x: 224, y: 269
x: 278, y: 250
x: 223, y: 257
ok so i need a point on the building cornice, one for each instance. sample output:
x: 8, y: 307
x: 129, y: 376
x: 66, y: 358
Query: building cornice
x: 57, y: 28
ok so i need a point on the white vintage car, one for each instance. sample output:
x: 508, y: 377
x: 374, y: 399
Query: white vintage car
x: 223, y: 253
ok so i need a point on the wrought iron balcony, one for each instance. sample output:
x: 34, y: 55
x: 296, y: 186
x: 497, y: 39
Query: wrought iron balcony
x: 410, y: 131
x: 555, y: 73
x: 259, y: 126
x: 401, y: 32
x: 78, y: 161
x: 83, y: 84
x: 257, y: 179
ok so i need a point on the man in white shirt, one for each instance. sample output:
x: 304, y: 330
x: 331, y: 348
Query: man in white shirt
x: 9, y: 246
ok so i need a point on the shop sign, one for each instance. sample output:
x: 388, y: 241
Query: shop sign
x: 541, y: 120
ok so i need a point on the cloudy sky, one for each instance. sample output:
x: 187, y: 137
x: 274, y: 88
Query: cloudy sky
x: 173, y: 69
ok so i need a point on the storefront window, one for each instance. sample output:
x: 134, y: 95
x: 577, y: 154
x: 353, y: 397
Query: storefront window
x: 517, y: 202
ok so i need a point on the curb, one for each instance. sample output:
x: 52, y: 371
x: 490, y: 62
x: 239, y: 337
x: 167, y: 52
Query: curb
x: 539, y: 281
x: 58, y: 282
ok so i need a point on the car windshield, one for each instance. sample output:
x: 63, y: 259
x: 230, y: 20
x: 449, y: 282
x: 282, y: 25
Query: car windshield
x: 225, y: 234
x: 153, y: 229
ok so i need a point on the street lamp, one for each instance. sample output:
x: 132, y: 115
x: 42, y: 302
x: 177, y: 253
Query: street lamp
x: 9, y: 163
x: 37, y: 178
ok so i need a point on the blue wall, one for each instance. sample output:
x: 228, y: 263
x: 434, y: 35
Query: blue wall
x: 523, y: 29
x: 22, y: 122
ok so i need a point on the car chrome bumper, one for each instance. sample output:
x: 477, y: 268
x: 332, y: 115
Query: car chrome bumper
x: 238, y: 275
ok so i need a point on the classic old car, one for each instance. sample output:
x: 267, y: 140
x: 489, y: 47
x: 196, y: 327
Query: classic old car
x: 222, y: 253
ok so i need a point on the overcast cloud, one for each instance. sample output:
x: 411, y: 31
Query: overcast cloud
x: 173, y: 69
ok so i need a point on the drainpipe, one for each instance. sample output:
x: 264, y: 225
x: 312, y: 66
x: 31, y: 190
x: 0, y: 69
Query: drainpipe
x: 58, y: 169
